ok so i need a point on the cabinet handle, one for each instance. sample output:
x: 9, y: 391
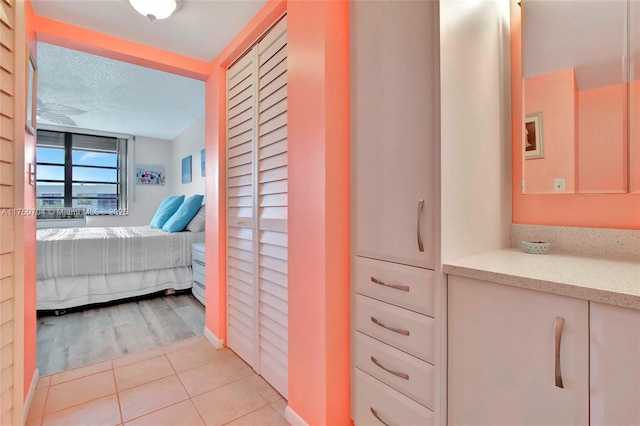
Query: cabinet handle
x: 199, y: 262
x: 395, y: 330
x: 397, y: 287
x: 559, y: 327
x: 377, y: 416
x: 419, y: 227
x: 395, y: 373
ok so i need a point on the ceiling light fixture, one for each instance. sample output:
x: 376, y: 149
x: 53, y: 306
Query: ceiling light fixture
x: 155, y: 9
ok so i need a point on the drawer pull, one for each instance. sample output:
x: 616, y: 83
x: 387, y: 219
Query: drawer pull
x: 377, y: 416
x: 397, y: 287
x: 419, y: 229
x: 395, y: 373
x: 395, y: 330
x: 199, y: 262
x: 559, y: 327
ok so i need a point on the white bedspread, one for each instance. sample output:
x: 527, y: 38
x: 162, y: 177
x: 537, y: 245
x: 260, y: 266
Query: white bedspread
x: 73, y: 252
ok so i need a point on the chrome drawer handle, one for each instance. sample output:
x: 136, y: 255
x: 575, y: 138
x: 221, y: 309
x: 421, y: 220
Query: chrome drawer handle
x: 420, y: 207
x: 395, y: 373
x: 559, y: 327
x: 397, y: 287
x: 395, y: 330
x: 377, y: 416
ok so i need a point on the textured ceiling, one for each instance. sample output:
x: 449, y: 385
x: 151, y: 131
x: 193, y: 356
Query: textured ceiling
x: 115, y: 96
x: 199, y: 28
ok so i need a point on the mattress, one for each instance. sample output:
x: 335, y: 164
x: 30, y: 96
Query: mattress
x: 74, y: 252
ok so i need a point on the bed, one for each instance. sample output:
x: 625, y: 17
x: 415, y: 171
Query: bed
x: 82, y: 266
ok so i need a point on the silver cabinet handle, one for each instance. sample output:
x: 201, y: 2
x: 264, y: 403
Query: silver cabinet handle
x: 397, y: 287
x: 419, y: 227
x: 395, y: 330
x: 395, y: 373
x: 377, y: 416
x: 559, y: 327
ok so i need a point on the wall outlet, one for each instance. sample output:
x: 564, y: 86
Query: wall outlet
x: 558, y: 185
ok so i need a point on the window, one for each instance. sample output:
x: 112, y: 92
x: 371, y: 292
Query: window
x: 84, y: 171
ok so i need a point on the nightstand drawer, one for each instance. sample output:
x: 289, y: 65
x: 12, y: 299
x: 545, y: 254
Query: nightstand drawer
x: 199, y: 275
x: 197, y: 253
x: 405, y: 373
x: 199, y: 292
x: 401, y: 328
x: 377, y: 404
x: 405, y: 286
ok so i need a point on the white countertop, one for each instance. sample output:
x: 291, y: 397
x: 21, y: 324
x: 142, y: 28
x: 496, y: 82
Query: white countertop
x: 614, y: 282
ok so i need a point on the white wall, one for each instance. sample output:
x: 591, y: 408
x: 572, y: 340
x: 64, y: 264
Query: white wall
x: 189, y: 142
x: 143, y: 199
x: 475, y: 127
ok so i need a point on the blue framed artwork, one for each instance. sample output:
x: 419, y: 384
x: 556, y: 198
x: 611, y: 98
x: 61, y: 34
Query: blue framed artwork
x: 186, y: 169
x: 202, y: 162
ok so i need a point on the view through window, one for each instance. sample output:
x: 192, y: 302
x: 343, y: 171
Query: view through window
x: 82, y: 171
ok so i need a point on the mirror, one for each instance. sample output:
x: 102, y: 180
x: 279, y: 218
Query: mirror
x: 581, y: 126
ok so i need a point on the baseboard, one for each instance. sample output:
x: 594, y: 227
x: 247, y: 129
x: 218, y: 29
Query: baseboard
x: 293, y: 418
x: 213, y: 339
x: 32, y: 391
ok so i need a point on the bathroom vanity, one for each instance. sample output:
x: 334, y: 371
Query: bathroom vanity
x: 543, y: 339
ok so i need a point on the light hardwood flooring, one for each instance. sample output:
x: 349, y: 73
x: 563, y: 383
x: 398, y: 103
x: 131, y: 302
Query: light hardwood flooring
x: 82, y: 338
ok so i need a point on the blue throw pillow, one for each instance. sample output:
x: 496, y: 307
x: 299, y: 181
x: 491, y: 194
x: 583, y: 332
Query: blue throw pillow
x: 185, y: 213
x: 167, y: 208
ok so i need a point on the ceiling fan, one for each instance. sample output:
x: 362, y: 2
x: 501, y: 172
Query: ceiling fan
x: 57, y: 113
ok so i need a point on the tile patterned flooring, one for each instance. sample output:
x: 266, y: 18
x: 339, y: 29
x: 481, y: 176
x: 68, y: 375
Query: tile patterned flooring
x: 184, y: 383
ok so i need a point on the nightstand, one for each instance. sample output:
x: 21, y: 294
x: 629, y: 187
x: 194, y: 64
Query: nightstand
x: 197, y: 263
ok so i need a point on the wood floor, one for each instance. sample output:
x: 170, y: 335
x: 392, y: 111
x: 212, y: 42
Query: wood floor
x: 81, y: 338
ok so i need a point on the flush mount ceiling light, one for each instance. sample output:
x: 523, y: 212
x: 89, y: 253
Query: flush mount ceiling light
x: 155, y: 9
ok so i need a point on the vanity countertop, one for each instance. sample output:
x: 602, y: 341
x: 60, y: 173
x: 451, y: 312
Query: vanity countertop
x: 615, y: 282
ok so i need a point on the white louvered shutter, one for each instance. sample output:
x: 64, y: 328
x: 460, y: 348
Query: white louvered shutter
x: 241, y: 138
x: 272, y: 204
x: 257, y: 192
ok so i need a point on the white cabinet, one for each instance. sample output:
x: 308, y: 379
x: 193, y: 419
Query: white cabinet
x: 394, y: 114
x: 198, y: 260
x: 615, y: 365
x: 502, y: 356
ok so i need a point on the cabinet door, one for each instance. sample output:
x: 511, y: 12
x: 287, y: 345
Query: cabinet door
x: 615, y: 365
x: 393, y: 109
x: 501, y: 354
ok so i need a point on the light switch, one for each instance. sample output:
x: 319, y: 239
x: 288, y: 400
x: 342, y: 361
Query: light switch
x: 558, y: 184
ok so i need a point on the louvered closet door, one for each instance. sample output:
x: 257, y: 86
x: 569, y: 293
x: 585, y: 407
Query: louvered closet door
x: 257, y: 290
x: 241, y: 276
x: 272, y: 204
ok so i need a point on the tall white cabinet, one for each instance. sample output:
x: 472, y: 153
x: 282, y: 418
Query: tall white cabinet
x: 394, y: 113
x: 257, y: 189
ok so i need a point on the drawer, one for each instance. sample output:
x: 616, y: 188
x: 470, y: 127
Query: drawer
x: 199, y: 293
x: 413, y: 377
x: 404, y: 329
x: 391, y: 407
x: 198, y: 256
x: 406, y: 286
x: 198, y: 275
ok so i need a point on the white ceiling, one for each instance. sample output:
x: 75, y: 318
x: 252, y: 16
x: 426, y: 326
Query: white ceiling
x: 588, y: 35
x: 123, y: 98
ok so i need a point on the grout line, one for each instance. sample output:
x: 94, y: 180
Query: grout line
x: 115, y: 382
x: 251, y: 412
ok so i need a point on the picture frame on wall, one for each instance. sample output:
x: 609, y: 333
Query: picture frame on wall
x: 186, y: 169
x: 533, y: 140
x: 202, y: 164
x: 31, y: 101
x: 150, y: 174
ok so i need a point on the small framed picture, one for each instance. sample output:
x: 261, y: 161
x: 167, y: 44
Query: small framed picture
x: 186, y: 169
x: 202, y: 166
x: 533, y: 140
x: 32, y: 79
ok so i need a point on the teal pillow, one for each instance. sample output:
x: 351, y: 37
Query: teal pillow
x: 185, y: 213
x: 167, y: 208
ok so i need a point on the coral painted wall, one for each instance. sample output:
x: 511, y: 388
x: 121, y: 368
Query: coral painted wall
x: 602, y: 144
x: 634, y: 138
x: 594, y: 210
x: 555, y: 96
